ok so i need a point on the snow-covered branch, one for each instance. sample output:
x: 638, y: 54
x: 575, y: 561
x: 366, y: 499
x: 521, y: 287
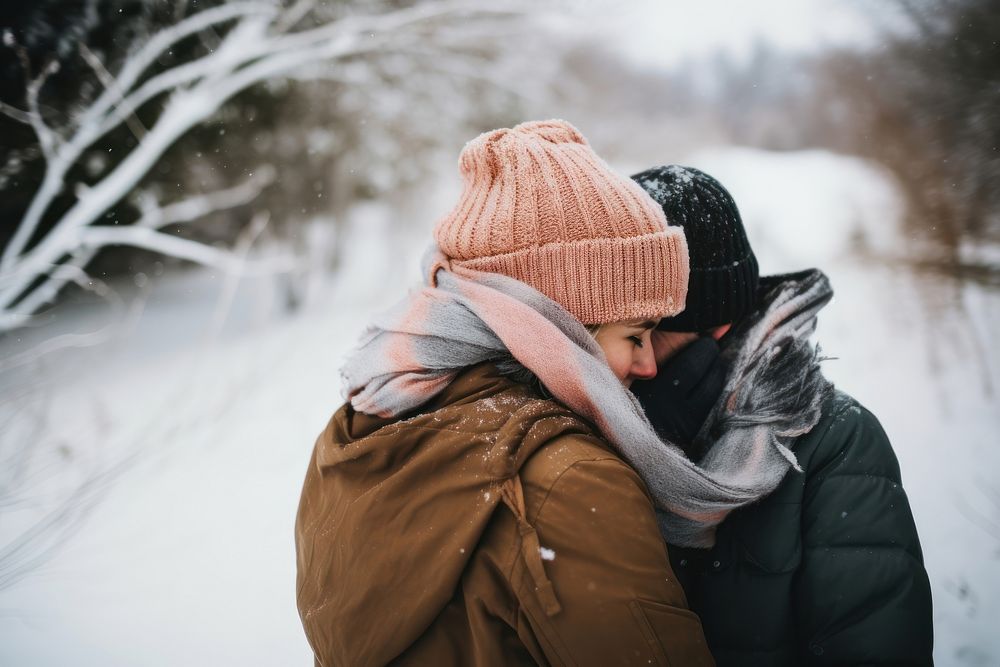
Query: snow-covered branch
x: 153, y: 216
x: 47, y: 138
x: 258, y: 47
x: 14, y: 113
x: 111, y: 86
x: 201, y: 205
x: 150, y: 239
x: 92, y: 125
x: 162, y: 41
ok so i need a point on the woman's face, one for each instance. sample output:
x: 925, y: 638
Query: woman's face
x: 628, y: 349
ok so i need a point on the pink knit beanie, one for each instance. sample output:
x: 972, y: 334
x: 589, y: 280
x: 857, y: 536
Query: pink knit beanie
x: 540, y: 206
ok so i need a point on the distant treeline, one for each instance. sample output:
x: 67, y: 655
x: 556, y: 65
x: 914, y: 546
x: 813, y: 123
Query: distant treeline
x: 925, y: 103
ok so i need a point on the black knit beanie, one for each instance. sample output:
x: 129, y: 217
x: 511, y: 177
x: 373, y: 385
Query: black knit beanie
x: 722, y: 287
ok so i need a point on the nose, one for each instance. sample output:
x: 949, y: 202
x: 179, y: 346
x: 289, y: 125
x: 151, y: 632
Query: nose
x: 644, y: 364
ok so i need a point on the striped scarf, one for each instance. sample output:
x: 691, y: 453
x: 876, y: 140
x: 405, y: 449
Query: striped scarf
x: 413, y: 351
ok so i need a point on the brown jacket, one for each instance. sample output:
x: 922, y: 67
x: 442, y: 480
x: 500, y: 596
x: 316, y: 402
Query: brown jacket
x: 493, y: 528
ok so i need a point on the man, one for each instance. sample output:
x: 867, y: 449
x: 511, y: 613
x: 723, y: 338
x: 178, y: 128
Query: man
x: 827, y: 569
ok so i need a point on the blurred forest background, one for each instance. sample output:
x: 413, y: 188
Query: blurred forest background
x: 299, y: 110
x: 228, y: 146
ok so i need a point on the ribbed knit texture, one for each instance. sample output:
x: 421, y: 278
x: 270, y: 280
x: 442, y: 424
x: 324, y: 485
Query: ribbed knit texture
x: 540, y: 206
x: 722, y: 286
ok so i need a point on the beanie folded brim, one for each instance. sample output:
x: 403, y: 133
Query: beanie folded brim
x: 612, y: 279
x: 723, y: 295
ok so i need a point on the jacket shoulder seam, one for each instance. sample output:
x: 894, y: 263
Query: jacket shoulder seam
x: 565, y: 470
x: 850, y: 403
x: 555, y: 480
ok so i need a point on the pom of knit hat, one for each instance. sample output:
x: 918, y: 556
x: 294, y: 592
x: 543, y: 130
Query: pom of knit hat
x: 540, y: 206
x: 556, y: 131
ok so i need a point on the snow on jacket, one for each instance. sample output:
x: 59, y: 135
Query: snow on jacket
x: 492, y: 528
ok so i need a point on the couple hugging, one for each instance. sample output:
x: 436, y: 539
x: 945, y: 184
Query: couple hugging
x: 594, y: 435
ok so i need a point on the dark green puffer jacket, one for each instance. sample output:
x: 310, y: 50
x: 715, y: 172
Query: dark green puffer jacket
x: 827, y: 570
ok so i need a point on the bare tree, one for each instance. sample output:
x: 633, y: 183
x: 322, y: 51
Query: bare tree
x: 364, y: 59
x: 259, y: 42
x: 925, y: 105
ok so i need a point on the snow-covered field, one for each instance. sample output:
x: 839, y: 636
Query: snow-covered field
x: 186, y: 557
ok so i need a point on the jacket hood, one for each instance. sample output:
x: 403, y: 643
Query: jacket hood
x: 392, y: 510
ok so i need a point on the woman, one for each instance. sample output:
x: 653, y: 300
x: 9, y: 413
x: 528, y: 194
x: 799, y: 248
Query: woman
x: 490, y: 493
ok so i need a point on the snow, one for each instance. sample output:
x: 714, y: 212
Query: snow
x: 546, y: 553
x: 188, y: 556
x: 797, y: 222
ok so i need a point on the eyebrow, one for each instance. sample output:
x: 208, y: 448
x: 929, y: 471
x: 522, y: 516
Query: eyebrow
x: 647, y: 324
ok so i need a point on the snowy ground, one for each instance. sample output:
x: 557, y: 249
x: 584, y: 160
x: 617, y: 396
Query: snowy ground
x: 187, y: 557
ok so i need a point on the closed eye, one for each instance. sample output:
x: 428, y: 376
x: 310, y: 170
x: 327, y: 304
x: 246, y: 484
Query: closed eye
x: 636, y: 340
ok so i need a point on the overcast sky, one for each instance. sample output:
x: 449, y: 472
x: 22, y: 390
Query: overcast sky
x: 660, y: 32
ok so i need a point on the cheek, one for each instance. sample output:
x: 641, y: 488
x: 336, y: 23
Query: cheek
x: 618, y: 352
x: 620, y: 361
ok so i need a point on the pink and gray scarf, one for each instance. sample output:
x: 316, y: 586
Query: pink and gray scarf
x: 413, y: 351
